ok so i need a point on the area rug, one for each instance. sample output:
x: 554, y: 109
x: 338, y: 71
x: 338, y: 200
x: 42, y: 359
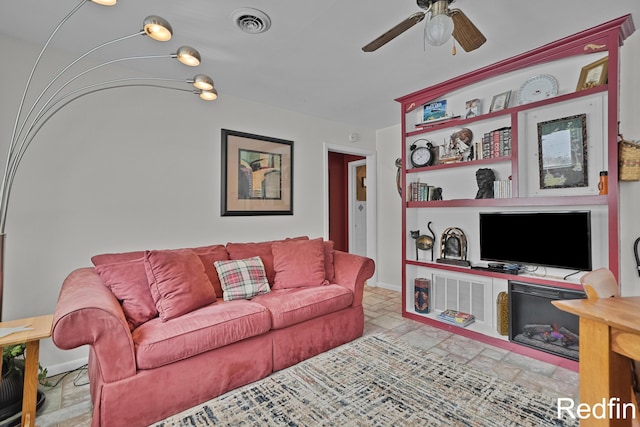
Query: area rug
x: 376, y: 381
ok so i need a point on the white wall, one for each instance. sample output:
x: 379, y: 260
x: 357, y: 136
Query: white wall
x: 133, y: 169
x: 388, y: 264
x: 630, y: 191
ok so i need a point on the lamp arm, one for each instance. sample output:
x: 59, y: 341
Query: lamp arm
x: 36, y: 126
x: 15, y: 136
x: 20, y: 106
x: 35, y: 65
x: 17, y: 155
x: 57, y: 92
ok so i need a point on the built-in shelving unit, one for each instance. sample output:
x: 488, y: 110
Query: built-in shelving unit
x: 478, y: 289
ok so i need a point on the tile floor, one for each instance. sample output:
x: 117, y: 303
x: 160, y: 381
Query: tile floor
x: 68, y: 405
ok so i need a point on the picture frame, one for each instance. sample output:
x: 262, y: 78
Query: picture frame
x: 257, y: 175
x: 472, y: 108
x: 594, y: 74
x: 500, y: 101
x: 562, y: 152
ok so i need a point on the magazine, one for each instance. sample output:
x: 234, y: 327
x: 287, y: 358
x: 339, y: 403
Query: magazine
x: 455, y: 317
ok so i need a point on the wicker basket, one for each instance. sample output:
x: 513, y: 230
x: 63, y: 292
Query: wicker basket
x: 629, y: 160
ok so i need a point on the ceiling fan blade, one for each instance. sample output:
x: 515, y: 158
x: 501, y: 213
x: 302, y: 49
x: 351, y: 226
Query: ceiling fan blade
x: 394, y: 32
x: 466, y: 34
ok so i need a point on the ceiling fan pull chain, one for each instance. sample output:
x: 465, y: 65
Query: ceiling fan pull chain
x: 453, y: 49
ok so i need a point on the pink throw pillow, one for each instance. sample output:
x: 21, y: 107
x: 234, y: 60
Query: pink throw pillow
x: 298, y: 263
x: 329, y: 269
x: 128, y: 282
x: 178, y: 282
x: 208, y: 255
x: 261, y: 249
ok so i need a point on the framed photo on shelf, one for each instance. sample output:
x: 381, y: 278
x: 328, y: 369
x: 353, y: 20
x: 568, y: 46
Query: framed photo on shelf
x: 562, y: 152
x: 433, y: 111
x: 472, y: 108
x: 500, y: 101
x: 257, y: 175
x: 594, y: 74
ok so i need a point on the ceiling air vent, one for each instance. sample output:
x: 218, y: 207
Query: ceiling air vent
x: 251, y: 21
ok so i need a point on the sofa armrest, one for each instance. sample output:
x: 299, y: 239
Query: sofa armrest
x: 351, y: 272
x: 87, y: 313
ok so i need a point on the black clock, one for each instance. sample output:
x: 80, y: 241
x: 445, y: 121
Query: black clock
x: 422, y: 156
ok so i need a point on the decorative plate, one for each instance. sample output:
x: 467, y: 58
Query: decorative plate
x: 537, y: 88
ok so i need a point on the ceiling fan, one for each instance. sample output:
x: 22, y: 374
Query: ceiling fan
x: 442, y: 22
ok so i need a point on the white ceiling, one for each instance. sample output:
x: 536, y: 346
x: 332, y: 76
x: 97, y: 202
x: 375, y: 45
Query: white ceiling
x: 310, y: 60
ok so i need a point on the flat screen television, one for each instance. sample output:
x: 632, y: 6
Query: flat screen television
x: 559, y: 239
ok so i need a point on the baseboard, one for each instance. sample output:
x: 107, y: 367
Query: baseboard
x: 69, y: 366
x: 388, y: 286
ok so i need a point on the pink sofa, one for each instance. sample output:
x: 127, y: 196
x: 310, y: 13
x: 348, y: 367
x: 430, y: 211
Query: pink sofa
x: 163, y: 337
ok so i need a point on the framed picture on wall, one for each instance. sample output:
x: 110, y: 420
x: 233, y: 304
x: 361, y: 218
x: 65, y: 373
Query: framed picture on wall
x: 562, y: 152
x: 257, y: 175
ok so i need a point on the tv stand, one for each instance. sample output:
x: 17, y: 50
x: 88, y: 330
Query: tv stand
x: 494, y: 269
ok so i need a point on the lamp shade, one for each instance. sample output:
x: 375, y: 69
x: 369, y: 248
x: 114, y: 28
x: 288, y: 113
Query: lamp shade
x: 157, y: 28
x: 105, y: 2
x: 439, y: 27
x: 203, y: 82
x: 209, y: 95
x: 188, y: 56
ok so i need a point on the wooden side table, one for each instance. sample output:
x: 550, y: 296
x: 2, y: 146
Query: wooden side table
x: 609, y: 338
x: 40, y: 328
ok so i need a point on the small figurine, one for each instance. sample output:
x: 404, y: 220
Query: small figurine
x: 423, y: 241
x: 485, y: 178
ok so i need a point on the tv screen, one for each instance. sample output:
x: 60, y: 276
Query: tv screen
x: 552, y: 239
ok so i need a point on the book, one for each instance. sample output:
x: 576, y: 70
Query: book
x: 456, y: 317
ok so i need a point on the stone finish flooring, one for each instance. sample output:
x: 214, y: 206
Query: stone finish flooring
x: 68, y: 403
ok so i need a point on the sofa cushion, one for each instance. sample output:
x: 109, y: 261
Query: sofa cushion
x: 298, y: 264
x: 177, y: 281
x: 160, y: 343
x: 329, y: 268
x: 117, y: 257
x: 242, y: 278
x: 291, y: 306
x: 128, y: 282
x: 261, y: 249
x: 208, y: 255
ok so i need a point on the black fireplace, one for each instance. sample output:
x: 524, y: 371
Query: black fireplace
x: 535, y: 322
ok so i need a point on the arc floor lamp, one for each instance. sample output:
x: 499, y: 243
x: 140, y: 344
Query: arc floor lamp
x: 60, y: 91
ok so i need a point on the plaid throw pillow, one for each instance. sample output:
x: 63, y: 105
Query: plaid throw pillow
x: 242, y: 278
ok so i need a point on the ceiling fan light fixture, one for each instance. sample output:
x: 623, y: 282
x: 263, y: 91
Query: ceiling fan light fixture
x: 439, y: 27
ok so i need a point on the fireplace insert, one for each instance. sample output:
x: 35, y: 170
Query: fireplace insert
x: 535, y: 322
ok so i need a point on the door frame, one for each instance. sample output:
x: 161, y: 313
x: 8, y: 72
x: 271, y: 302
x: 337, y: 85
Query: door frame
x: 351, y: 183
x: 371, y: 161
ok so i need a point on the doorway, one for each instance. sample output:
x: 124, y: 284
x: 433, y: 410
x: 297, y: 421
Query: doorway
x: 367, y: 214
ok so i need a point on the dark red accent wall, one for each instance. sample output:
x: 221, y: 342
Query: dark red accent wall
x: 338, y: 198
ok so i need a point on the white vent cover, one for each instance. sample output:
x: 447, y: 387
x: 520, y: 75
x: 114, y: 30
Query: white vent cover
x: 251, y: 21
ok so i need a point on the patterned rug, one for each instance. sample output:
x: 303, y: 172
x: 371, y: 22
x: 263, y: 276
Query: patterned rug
x: 376, y: 381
